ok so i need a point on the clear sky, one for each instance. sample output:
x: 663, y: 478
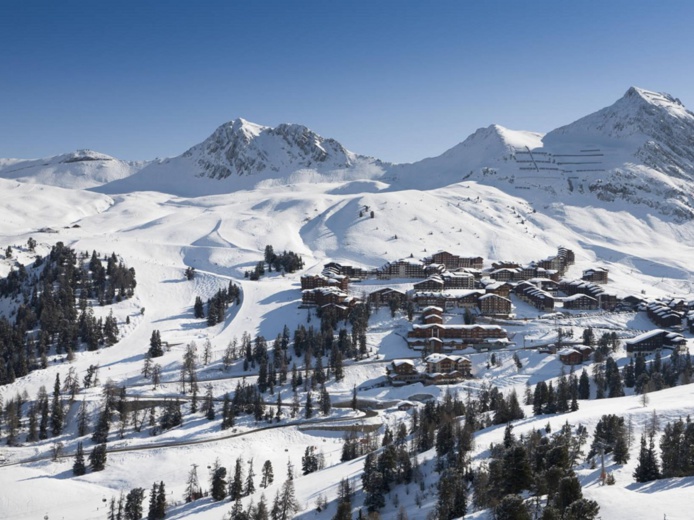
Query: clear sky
x: 396, y: 79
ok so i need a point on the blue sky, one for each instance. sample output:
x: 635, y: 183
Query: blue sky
x: 399, y: 80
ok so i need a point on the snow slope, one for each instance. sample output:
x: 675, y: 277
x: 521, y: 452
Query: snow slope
x: 82, y: 169
x: 216, y: 207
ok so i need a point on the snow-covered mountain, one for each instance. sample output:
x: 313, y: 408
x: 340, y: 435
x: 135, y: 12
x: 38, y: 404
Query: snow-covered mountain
x: 637, y: 153
x: 242, y: 155
x: 487, y: 148
x: 82, y: 169
x: 500, y: 194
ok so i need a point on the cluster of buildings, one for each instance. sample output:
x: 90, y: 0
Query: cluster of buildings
x: 439, y: 369
x: 434, y: 336
x: 447, y: 281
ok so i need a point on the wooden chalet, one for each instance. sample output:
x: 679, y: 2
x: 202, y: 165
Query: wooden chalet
x: 495, y: 287
x: 529, y: 293
x: 452, y: 261
x: 403, y: 372
x: 653, y: 341
x: 438, y: 337
x: 327, y: 295
x: 442, y: 363
x: 433, y: 283
x: 448, y: 299
x: 662, y: 315
x: 408, y: 268
x: 458, y: 280
x: 494, y: 305
x: 355, y: 273
x: 570, y: 356
x: 309, y: 281
x: 606, y: 301
x: 595, y: 275
x: 382, y: 297
x: 580, y: 302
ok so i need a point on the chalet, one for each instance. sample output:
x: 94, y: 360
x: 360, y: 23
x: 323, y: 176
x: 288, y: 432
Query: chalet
x: 580, y: 302
x: 340, y: 312
x: 454, y: 261
x: 404, y: 406
x: 546, y: 284
x: 355, y: 273
x: 319, y: 280
x: 408, y: 268
x: 494, y: 287
x: 494, y: 305
x: 634, y: 302
x: 433, y: 283
x: 442, y: 363
x: 383, y: 297
x: 595, y: 275
x: 447, y: 378
x: 432, y: 309
x: 653, y: 341
x: 662, y: 315
x: 456, y: 336
x: 537, y: 297
x: 402, y: 372
x: 448, y: 299
x: 432, y: 318
x: 606, y: 301
x: 505, y: 264
x: 570, y: 356
x: 585, y: 350
x: 325, y: 295
x: 458, y: 280
x: 505, y: 274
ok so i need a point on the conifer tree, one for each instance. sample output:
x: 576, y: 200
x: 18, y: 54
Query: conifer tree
x: 236, y: 483
x: 267, y: 475
x: 647, y: 467
x: 218, y: 483
x: 155, y: 345
x: 57, y: 416
x: 133, y: 504
x: 249, y: 488
x: 97, y: 457
x: 78, y: 467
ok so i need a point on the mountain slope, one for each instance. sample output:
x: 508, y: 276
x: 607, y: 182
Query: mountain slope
x: 635, y: 155
x: 82, y: 169
x: 243, y: 155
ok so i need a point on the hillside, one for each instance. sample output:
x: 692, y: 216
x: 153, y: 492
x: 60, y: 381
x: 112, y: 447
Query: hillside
x: 82, y: 169
x: 192, y: 225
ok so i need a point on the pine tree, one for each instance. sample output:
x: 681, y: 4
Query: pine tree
x: 236, y: 484
x: 647, y: 467
x: 218, y: 484
x: 288, y: 505
x: 308, y: 408
x: 452, y: 493
x: 584, y: 385
x: 250, y: 484
x: 103, y: 425
x: 161, y: 501
x: 97, y: 457
x: 133, y: 504
x: 78, y: 467
x: 155, y: 345
x: 152, y: 512
x: 511, y: 507
x: 198, y: 308
x: 267, y: 475
x: 57, y: 415
x: 192, y: 491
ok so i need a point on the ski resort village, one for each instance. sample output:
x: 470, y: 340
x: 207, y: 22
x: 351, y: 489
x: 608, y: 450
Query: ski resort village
x: 270, y: 326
